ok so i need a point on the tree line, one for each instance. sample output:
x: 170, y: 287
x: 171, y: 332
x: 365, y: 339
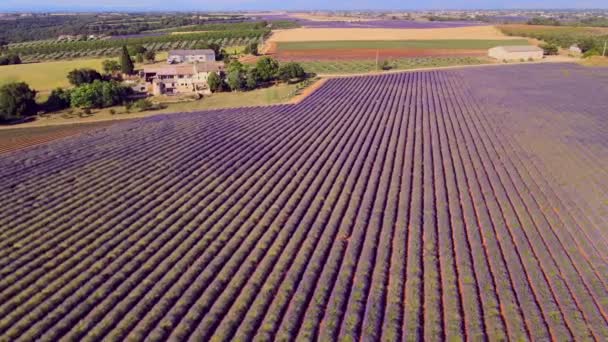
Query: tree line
x: 241, y: 77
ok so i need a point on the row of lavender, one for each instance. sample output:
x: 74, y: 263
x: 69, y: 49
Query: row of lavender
x: 378, y: 208
x: 371, y: 23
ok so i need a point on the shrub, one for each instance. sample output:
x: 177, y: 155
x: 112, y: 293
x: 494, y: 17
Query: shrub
x: 99, y: 94
x: 268, y: 68
x: 10, y: 59
x: 143, y: 105
x: 549, y: 49
x: 17, y: 101
x: 78, y: 77
x: 110, y: 66
x: 291, y: 71
x: 58, y: 100
x: 215, y: 82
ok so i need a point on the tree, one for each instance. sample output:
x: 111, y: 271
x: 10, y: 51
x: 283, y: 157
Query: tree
x: 17, y: 101
x: 267, y: 68
x: 235, y: 80
x: 10, y: 59
x: 150, y: 56
x: 99, y: 94
x: 58, y: 100
x: 252, y: 79
x: 291, y: 71
x: 215, y: 82
x: 78, y: 77
x: 549, y: 49
x: 251, y: 49
x: 126, y: 64
x: 139, y: 58
x: 137, y: 49
x: 110, y: 66
x: 236, y: 66
x: 587, y: 44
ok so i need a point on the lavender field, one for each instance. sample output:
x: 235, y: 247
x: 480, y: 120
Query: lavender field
x: 440, y: 205
x: 379, y: 23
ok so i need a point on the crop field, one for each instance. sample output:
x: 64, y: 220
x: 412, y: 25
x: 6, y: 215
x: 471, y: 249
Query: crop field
x: 468, y: 44
x: 339, y: 67
x: 382, y: 34
x: 361, y: 50
x: 437, y: 205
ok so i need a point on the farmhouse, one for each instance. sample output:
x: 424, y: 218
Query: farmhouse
x: 180, y: 79
x: 511, y: 53
x: 190, y: 56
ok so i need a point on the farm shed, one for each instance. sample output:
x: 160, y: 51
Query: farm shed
x: 515, y: 52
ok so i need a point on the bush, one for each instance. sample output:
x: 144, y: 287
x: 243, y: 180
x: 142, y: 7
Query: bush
x: 78, y: 77
x: 235, y: 80
x: 252, y: 49
x: 58, y: 100
x: 110, y: 66
x: 591, y: 53
x: 268, y: 68
x: 150, y: 56
x: 291, y: 71
x: 549, y: 49
x: 143, y: 105
x: 17, y: 101
x: 215, y: 82
x: 10, y: 60
x: 99, y: 94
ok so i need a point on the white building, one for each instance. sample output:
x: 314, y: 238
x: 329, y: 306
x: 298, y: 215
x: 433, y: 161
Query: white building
x: 512, y: 53
x: 575, y: 49
x: 191, y: 56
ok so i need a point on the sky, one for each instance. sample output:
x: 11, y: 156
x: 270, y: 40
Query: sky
x: 216, y: 5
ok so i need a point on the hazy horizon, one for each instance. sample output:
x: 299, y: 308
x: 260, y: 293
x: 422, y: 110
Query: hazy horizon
x: 277, y: 5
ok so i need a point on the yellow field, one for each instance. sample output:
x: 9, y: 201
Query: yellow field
x: 46, y: 76
x: 341, y: 34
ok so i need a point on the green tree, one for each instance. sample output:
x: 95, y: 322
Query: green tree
x: 78, y: 77
x: 10, y: 59
x: 291, y: 71
x: 139, y: 58
x: 215, y: 82
x: 137, y: 49
x: 110, y: 66
x: 126, y: 64
x: 99, y: 94
x: 235, y: 80
x: 17, y: 101
x: 549, y: 49
x: 267, y: 68
x: 252, y: 79
x: 58, y: 100
x: 150, y: 56
x: 251, y: 49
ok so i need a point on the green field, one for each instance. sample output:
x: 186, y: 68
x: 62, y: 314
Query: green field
x: 47, y: 76
x: 469, y: 44
x: 364, y: 66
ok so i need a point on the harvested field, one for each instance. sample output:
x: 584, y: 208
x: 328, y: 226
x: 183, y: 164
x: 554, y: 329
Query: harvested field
x: 370, y: 34
x: 357, y: 54
x: 353, y: 50
x: 439, y: 205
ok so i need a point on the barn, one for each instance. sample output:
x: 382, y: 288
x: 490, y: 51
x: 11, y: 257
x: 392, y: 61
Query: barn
x: 511, y: 53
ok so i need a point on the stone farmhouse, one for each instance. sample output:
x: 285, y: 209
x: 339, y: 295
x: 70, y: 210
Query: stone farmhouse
x: 190, y: 56
x: 180, y: 79
x: 512, y: 53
